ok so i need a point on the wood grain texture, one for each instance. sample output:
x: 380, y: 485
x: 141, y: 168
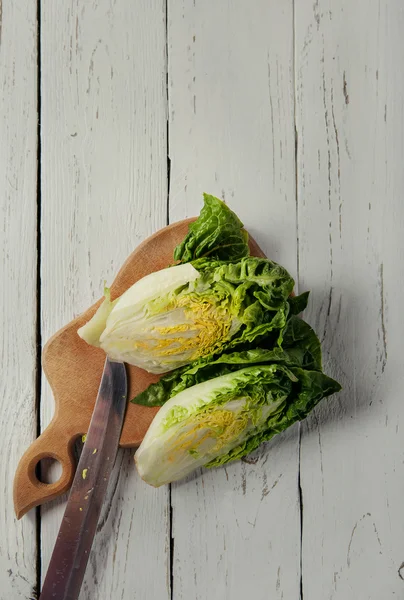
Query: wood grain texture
x: 231, y: 100
x: 18, y: 135
x: 104, y: 189
x: 350, y: 125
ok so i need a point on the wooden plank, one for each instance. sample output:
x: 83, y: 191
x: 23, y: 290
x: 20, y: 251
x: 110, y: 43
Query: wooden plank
x: 104, y: 189
x: 231, y: 101
x: 350, y: 128
x: 18, y: 135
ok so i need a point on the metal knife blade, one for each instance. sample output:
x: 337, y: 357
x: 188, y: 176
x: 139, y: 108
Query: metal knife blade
x: 72, y: 548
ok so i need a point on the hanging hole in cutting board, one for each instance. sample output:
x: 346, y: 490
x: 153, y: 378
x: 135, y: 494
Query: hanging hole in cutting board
x: 48, y: 470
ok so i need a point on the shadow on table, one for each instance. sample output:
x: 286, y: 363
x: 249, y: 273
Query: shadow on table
x: 343, y: 325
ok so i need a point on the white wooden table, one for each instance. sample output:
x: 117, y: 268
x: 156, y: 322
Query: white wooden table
x: 115, y: 116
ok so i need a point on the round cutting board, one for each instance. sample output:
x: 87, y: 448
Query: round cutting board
x: 74, y: 369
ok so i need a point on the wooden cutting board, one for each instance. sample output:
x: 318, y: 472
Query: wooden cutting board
x: 74, y: 369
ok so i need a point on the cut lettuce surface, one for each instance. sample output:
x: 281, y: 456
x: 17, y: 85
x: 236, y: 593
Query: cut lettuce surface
x: 224, y: 418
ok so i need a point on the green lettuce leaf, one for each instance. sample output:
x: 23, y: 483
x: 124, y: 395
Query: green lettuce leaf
x: 217, y: 233
x: 298, y: 304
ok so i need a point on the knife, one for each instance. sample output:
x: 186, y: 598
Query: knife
x: 72, y: 548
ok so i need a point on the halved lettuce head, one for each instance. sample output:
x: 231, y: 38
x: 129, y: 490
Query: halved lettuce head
x: 179, y: 314
x: 224, y: 418
x: 215, y: 299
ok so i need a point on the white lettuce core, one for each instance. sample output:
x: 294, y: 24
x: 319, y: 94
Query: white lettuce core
x: 126, y: 330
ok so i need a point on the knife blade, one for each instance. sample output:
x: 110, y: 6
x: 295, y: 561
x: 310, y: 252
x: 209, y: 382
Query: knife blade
x: 72, y: 548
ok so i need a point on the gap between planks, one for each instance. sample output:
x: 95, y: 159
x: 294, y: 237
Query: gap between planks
x: 170, y: 511
x: 299, y: 482
x: 38, y: 383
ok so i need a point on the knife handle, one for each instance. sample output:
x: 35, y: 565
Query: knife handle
x: 52, y: 443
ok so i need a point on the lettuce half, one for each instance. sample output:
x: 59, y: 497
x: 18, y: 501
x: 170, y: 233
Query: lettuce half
x: 216, y: 299
x: 227, y: 417
x: 180, y: 314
